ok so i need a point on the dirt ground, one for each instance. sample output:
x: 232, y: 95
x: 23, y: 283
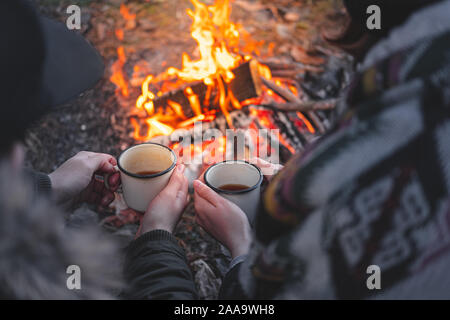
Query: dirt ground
x: 97, y: 122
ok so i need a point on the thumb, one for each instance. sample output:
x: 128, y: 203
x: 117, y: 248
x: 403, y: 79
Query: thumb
x: 206, y: 193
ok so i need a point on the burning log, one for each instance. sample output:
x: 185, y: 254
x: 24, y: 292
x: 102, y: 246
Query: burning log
x: 179, y: 97
x: 289, y: 70
x: 293, y: 139
x: 290, y: 97
x: 246, y: 85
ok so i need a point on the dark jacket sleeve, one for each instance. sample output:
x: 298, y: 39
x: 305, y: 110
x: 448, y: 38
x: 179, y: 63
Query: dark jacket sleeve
x: 41, y: 182
x: 156, y: 268
x: 231, y: 288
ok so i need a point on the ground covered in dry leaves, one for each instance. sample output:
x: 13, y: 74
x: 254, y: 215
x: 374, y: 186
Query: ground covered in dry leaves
x: 286, y: 30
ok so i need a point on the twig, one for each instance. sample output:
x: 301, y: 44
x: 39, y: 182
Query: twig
x: 290, y: 97
x: 305, y: 106
x: 286, y: 67
x: 286, y: 73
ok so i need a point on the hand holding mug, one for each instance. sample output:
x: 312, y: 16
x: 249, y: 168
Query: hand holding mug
x: 222, y: 219
x: 238, y: 181
x: 166, y: 208
x: 74, y: 181
x: 229, y: 199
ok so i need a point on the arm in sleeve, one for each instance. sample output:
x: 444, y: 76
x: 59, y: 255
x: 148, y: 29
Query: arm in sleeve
x: 231, y: 288
x: 156, y: 268
x: 42, y: 184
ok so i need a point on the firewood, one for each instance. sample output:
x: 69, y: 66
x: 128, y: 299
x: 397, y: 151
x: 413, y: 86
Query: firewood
x: 246, y: 85
x: 179, y: 96
x: 291, y: 74
x: 283, y: 67
x: 305, y: 106
x: 290, y: 97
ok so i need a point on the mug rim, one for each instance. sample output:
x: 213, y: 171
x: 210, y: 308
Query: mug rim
x: 138, y: 176
x: 218, y: 190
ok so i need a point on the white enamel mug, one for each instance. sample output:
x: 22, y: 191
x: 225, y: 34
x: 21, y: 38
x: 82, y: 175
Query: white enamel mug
x: 237, y: 172
x: 140, y: 188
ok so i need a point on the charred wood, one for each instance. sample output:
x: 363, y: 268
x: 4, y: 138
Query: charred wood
x: 290, y: 97
x: 245, y: 85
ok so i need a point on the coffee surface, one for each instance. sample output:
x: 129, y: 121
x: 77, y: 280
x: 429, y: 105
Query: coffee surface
x: 146, y: 173
x: 233, y: 187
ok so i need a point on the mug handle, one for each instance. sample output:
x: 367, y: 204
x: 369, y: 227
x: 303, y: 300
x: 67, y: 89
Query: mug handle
x: 105, y: 179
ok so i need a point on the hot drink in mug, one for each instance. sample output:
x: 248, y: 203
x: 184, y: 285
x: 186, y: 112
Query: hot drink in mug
x: 145, y: 170
x: 237, y: 181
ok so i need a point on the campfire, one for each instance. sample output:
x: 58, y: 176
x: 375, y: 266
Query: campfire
x: 248, y: 66
x: 229, y: 86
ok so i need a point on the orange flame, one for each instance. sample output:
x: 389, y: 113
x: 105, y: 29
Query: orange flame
x: 193, y: 100
x: 125, y: 12
x: 215, y: 36
x: 117, y: 76
x: 213, y: 31
x: 218, y: 45
x: 308, y: 124
x: 119, y: 34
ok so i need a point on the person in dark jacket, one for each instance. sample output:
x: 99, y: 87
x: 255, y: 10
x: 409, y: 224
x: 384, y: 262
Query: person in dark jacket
x: 43, y: 65
x: 363, y: 213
